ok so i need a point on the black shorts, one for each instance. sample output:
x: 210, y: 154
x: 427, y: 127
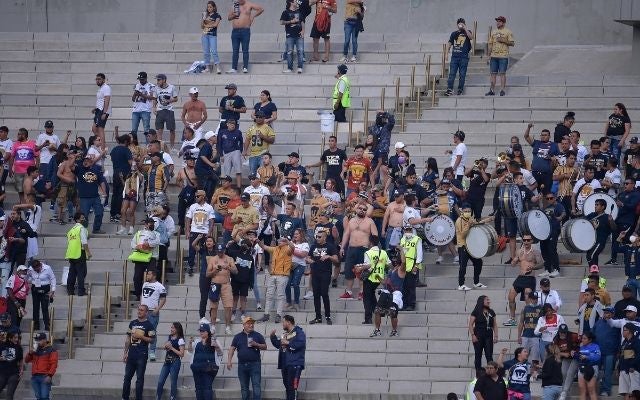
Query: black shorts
x: 523, y: 282
x: 353, y: 257
x: 316, y: 34
x: 97, y: 118
x: 165, y: 117
x: 239, y: 288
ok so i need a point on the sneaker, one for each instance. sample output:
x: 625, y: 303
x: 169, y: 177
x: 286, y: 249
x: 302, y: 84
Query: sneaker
x: 264, y: 318
x: 393, y: 333
x: 360, y: 295
x: 508, y: 261
x: 376, y: 332
x: 287, y: 71
x: 554, y: 274
x: 218, y: 70
x: 456, y: 259
x: 344, y: 60
x: 232, y: 71
x: 308, y: 295
x: 459, y: 93
x: 367, y: 322
x: 329, y: 321
x: 510, y: 322
x: 242, y: 317
x: 233, y: 316
x: 502, y: 93
x: 334, y: 283
x: 449, y: 92
x: 228, y: 330
x: 346, y: 296
x: 278, y: 319
x: 190, y: 271
x: 204, y: 320
x: 152, y: 356
x: 121, y: 231
x: 464, y: 288
x: 439, y: 260
x: 315, y: 321
x: 490, y: 93
x: 292, y: 307
x: 299, y: 70
x: 563, y: 396
x: 544, y: 274
x: 479, y: 285
x: 245, y: 70
x: 52, y: 207
x: 99, y: 232
x: 353, y: 59
x: 107, y: 207
x: 131, y: 232
x: 612, y: 262
x: 259, y: 307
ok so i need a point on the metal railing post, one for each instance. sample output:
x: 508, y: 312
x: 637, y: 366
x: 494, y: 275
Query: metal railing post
x: 433, y: 92
x: 70, y: 328
x: 475, y: 36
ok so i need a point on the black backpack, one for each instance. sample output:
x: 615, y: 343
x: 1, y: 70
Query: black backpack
x: 385, y: 300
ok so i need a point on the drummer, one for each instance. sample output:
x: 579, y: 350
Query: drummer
x: 446, y: 188
x: 463, y: 224
x: 604, y: 225
x: 627, y: 201
x: 583, y: 188
x: 529, y: 259
x: 565, y: 175
x: 549, y: 248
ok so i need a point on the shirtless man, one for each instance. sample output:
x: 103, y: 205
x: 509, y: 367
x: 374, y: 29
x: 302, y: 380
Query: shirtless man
x: 356, y: 234
x: 27, y: 185
x: 241, y: 16
x: 219, y: 269
x: 529, y: 259
x: 392, y: 220
x: 67, y: 184
x: 194, y: 112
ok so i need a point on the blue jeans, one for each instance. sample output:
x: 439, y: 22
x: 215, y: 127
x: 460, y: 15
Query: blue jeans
x: 240, y: 36
x: 551, y: 392
x: 210, y: 49
x: 299, y: 45
x: 256, y: 286
x: 255, y: 161
x: 250, y: 371
x: 498, y: 65
x: 607, y: 363
x: 138, y: 116
x: 294, y: 282
x: 457, y: 65
x: 135, y: 365
x: 351, y: 31
x: 86, y: 204
x: 41, y: 388
x: 634, y: 284
x: 204, y: 385
x: 615, y: 150
x: 154, y: 319
x: 174, y: 370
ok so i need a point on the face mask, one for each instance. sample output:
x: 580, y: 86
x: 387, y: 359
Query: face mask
x: 402, y: 160
x: 466, y: 215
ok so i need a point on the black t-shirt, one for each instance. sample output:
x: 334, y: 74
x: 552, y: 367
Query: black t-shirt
x: 526, y: 194
x: 213, y: 17
x: 88, y: 180
x: 599, y: 162
x: 268, y: 109
x: 490, y: 389
x: 334, y: 160
x: 628, y: 159
x: 120, y: 156
x: 603, y: 229
x: 477, y: 187
x: 235, y: 102
x: 139, y: 347
x: 634, y: 173
x: 292, y: 30
x: 317, y: 251
x: 560, y: 132
x: 484, y: 321
x: 288, y: 225
x: 460, y: 44
x: 616, y: 125
x: 10, y: 356
x: 246, y: 353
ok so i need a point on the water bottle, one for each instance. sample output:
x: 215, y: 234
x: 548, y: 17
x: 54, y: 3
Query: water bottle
x: 236, y: 8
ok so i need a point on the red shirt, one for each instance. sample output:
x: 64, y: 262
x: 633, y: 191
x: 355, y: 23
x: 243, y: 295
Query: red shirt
x: 227, y: 224
x: 358, y: 171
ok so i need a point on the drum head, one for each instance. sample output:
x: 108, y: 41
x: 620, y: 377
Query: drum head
x: 441, y: 231
x: 510, y: 200
x: 589, y: 205
x: 582, y: 234
x: 538, y: 224
x: 478, y: 241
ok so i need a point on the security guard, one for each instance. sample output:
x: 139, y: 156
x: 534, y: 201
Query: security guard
x: 412, y: 245
x: 374, y: 267
x: 341, y: 94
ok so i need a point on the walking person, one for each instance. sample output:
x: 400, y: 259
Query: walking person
x: 353, y: 16
x: 145, y: 254
x: 154, y: 296
x: 499, y: 42
x: 17, y: 288
x: 483, y: 329
x: 300, y: 252
x: 589, y: 358
x: 103, y: 106
x: 43, y: 290
x: 174, y: 347
x: 11, y: 364
x: 277, y: 276
x: 77, y: 253
x: 322, y: 256
x: 136, y: 345
x: 460, y: 45
x: 209, y: 25
x: 242, y: 15
x: 293, y: 23
x: 291, y: 347
x: 44, y: 363
x: 248, y: 343
x: 207, y: 357
x: 341, y: 94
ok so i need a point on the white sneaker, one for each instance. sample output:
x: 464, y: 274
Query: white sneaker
x: 218, y: 70
x: 259, y: 306
x: 554, y: 274
x: 131, y: 232
x: 464, y: 288
x: 232, y: 71
x: 344, y: 59
x: 245, y: 71
x: 227, y: 330
x: 544, y: 274
x: 286, y: 71
x: 217, y: 320
x: 204, y: 320
x: 456, y: 259
x: 299, y: 70
x: 353, y: 59
x: 479, y: 285
x: 439, y: 260
x: 308, y: 295
x: 122, y: 231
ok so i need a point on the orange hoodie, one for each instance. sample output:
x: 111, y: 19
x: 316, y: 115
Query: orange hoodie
x: 44, y: 360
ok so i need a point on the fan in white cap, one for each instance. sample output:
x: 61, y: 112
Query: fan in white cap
x: 193, y: 90
x: 399, y: 145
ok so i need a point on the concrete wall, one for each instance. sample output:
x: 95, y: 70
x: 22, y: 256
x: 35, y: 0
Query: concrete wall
x: 544, y: 22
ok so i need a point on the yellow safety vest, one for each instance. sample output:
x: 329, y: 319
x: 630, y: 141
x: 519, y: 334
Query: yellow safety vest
x: 378, y: 259
x: 346, y: 97
x: 411, y: 251
x: 74, y: 244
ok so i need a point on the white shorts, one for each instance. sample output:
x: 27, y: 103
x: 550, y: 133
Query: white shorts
x: 32, y: 247
x: 196, y: 132
x: 628, y: 382
x: 232, y: 163
x: 397, y: 299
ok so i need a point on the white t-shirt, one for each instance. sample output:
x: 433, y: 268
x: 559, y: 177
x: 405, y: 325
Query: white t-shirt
x: 200, y: 216
x: 528, y: 177
x: 151, y: 293
x: 256, y: 194
x: 586, y: 189
x: 6, y: 145
x: 166, y: 159
x: 192, y: 143
x: 45, y: 153
x: 552, y: 298
x: 95, y: 153
x: 460, y: 150
x: 164, y: 96
x: 103, y: 91
x: 410, y: 212
x: 33, y: 217
x: 139, y: 103
x: 300, y: 246
x: 614, y: 177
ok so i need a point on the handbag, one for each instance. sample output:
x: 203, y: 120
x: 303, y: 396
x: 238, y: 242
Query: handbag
x: 138, y: 256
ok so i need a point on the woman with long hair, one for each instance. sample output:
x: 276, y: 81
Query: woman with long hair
x: 589, y: 358
x: 431, y: 177
x: 300, y: 252
x: 483, y: 329
x: 518, y: 155
x: 79, y: 146
x: 174, y: 348
x: 209, y: 25
x: 517, y: 373
x: 617, y: 129
x: 130, y: 199
x: 551, y: 374
x: 267, y: 106
x: 207, y: 355
x: 564, y: 128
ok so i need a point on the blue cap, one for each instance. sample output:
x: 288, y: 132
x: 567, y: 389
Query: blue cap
x: 609, y: 309
x: 204, y: 328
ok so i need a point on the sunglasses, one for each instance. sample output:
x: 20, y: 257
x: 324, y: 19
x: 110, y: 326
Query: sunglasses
x: 527, y: 240
x: 550, y: 198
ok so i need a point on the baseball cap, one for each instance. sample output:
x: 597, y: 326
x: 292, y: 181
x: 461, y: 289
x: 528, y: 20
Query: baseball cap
x: 563, y: 328
x: 227, y: 178
x: 161, y: 76
x: 231, y: 86
x: 545, y: 282
x: 608, y: 309
x: 253, y: 176
x: 517, y: 147
x: 260, y: 114
x: 294, y: 154
x: 625, y: 288
x: 209, y: 135
x: 21, y: 268
x: 248, y: 319
x: 3, y: 218
x: 204, y: 328
x: 245, y: 197
x: 594, y: 269
x: 460, y: 135
x: 634, y: 140
x: 631, y: 308
x: 501, y: 18
x: 399, y: 191
x: 399, y: 145
x: 40, y: 336
x: 48, y: 124
x: 142, y: 75
x: 219, y: 247
x: 193, y: 90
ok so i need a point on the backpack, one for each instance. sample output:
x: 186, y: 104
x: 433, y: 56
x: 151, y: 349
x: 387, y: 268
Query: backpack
x: 385, y: 299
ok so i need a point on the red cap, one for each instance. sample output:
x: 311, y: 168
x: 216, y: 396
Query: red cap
x: 501, y: 18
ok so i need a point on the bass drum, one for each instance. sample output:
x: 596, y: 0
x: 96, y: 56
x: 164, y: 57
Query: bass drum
x: 510, y: 200
x: 482, y: 241
x: 536, y: 224
x: 589, y: 205
x: 578, y: 235
x: 440, y: 231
